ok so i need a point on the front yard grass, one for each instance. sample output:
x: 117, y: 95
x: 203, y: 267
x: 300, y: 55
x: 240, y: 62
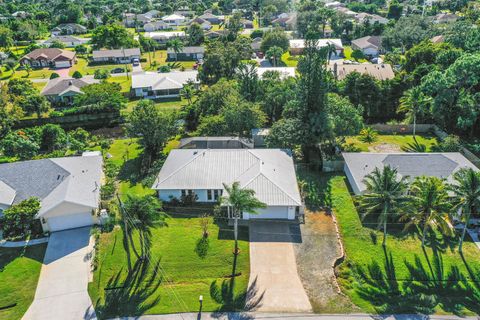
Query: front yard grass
x: 19, y: 272
x: 188, y: 267
x: 402, y: 278
x: 396, y: 142
x: 124, y: 82
x: 154, y: 60
x: 85, y: 69
x: 347, y: 52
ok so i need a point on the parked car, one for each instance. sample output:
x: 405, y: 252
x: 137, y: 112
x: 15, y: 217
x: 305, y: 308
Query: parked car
x: 136, y: 62
x: 117, y: 70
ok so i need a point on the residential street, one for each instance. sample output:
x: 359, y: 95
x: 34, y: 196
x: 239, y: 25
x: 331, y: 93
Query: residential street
x: 62, y: 288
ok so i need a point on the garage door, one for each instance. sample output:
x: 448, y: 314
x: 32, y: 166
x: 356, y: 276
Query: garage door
x: 69, y: 221
x: 271, y: 213
x: 62, y: 64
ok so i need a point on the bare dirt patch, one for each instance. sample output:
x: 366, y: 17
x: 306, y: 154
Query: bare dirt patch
x: 315, y: 256
x: 385, y: 148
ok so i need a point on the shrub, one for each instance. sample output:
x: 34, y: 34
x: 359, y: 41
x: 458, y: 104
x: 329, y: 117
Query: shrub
x: 101, y: 74
x: 450, y: 144
x: 164, y: 69
x: 19, y: 219
x: 368, y: 135
x: 54, y: 75
x: 77, y: 75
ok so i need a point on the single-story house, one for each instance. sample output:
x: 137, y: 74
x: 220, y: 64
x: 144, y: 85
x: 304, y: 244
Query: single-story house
x: 68, y: 29
x: 174, y: 19
x: 68, y: 189
x: 49, y: 57
x: 372, y: 18
x: 438, y: 39
x: 185, y: 12
x: 298, y: 45
x: 256, y: 44
x: 164, y: 37
x: 153, y: 85
x: 382, y: 71
x: 186, y: 54
x: 284, y: 72
x: 116, y: 55
x: 152, y: 14
x: 346, y: 11
x: 217, y: 34
x: 286, y: 20
x: 204, y: 24
x: 156, y: 25
x: 445, y: 18
x: 442, y: 165
x: 215, y: 143
x: 213, y: 19
x: 63, y: 90
x: 246, y: 24
x: 131, y: 20
x: 202, y: 172
x: 334, y: 4
x: 369, y: 45
x: 68, y: 41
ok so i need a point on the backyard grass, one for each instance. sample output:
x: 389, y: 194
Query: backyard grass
x: 19, y: 272
x: 39, y: 85
x: 390, y: 142
x: 124, y: 82
x: 347, y: 52
x: 402, y: 278
x: 163, y: 105
x: 189, y: 266
x: 289, y: 61
x: 158, y: 58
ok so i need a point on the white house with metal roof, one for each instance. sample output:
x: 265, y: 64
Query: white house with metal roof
x: 68, y: 189
x: 153, y: 85
x: 411, y: 165
x: 269, y: 172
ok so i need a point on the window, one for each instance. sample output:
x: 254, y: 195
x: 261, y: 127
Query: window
x: 184, y: 193
x: 216, y: 194
x: 209, y: 195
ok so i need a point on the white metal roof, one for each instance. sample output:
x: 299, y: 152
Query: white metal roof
x: 300, y: 43
x: 285, y: 72
x: 7, y: 194
x: 163, y: 81
x: 269, y: 172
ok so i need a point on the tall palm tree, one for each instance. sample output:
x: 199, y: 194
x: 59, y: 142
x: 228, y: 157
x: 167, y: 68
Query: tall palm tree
x: 275, y: 53
x: 413, y: 103
x: 177, y: 45
x: 466, y: 190
x: 430, y: 206
x: 188, y: 91
x: 240, y: 200
x: 384, y: 195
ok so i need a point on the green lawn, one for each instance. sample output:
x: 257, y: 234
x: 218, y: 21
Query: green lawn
x: 289, y: 61
x: 40, y: 85
x: 396, y: 141
x: 124, y: 81
x: 402, y: 278
x: 188, y: 268
x: 86, y: 69
x: 158, y: 58
x: 165, y: 105
x: 19, y: 272
x: 347, y: 52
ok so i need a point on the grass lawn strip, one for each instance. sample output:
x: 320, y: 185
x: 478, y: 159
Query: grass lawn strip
x: 395, y: 140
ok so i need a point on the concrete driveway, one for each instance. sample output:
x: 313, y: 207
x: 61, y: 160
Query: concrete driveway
x: 62, y: 72
x: 62, y: 288
x: 274, y: 284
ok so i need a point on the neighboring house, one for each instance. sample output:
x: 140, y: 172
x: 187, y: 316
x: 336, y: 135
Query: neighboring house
x: 203, y: 172
x: 186, y: 54
x: 287, y: 21
x: 68, y: 29
x: 152, y: 14
x: 49, y: 57
x: 258, y: 136
x: 153, y: 85
x: 346, y: 11
x: 334, y: 4
x: 204, y: 24
x: 378, y: 71
x: 284, y: 72
x: 213, y: 19
x: 174, y: 20
x: 68, y: 189
x: 116, y: 55
x: 67, y: 41
x: 64, y: 90
x: 445, y: 18
x: 20, y: 14
x: 131, y: 20
x: 215, y: 143
x: 164, y: 37
x: 185, y: 12
x: 246, y: 24
x: 372, y: 18
x: 256, y: 44
x: 156, y: 25
x: 216, y: 34
x: 438, y: 39
x: 298, y: 45
x: 411, y: 165
x: 369, y: 45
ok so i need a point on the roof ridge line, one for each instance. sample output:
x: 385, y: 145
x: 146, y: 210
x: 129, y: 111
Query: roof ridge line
x: 276, y: 185
x: 188, y: 162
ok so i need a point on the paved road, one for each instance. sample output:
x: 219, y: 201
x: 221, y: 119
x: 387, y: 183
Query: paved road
x: 291, y: 316
x: 62, y: 288
x: 274, y: 282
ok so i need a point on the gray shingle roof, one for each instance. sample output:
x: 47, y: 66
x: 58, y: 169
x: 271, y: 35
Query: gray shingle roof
x: 191, y: 49
x: 117, y: 53
x: 58, y: 86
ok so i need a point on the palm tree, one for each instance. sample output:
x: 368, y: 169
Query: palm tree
x: 177, y: 46
x: 466, y: 190
x: 188, y: 91
x: 275, y: 53
x: 430, y: 206
x: 240, y: 200
x: 385, y: 194
x: 412, y: 103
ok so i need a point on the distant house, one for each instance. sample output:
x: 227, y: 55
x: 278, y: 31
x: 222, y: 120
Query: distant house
x: 153, y: 85
x: 156, y: 25
x: 131, y: 20
x: 346, y: 11
x: 164, y: 37
x: 67, y: 41
x: 68, y: 29
x: 215, y: 143
x: 174, y: 20
x: 438, y: 39
x: 256, y: 44
x: 284, y: 72
x: 298, y: 45
x: 185, y: 12
x: 246, y: 24
x: 334, y: 4
x: 186, y: 54
x: 216, y: 34
x: 378, y: 71
x: 68, y: 189
x: 203, y: 173
x: 204, y: 24
x: 445, y: 18
x: 63, y: 90
x: 410, y: 165
x: 287, y: 21
x: 369, y: 45
x: 49, y: 57
x: 213, y: 19
x: 116, y: 56
x: 372, y: 18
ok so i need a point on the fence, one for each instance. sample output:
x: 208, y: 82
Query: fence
x: 87, y: 121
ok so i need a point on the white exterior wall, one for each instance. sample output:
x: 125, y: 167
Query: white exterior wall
x: 164, y: 195
x: 352, y: 182
x: 65, y: 209
x: 272, y: 212
x: 370, y: 51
